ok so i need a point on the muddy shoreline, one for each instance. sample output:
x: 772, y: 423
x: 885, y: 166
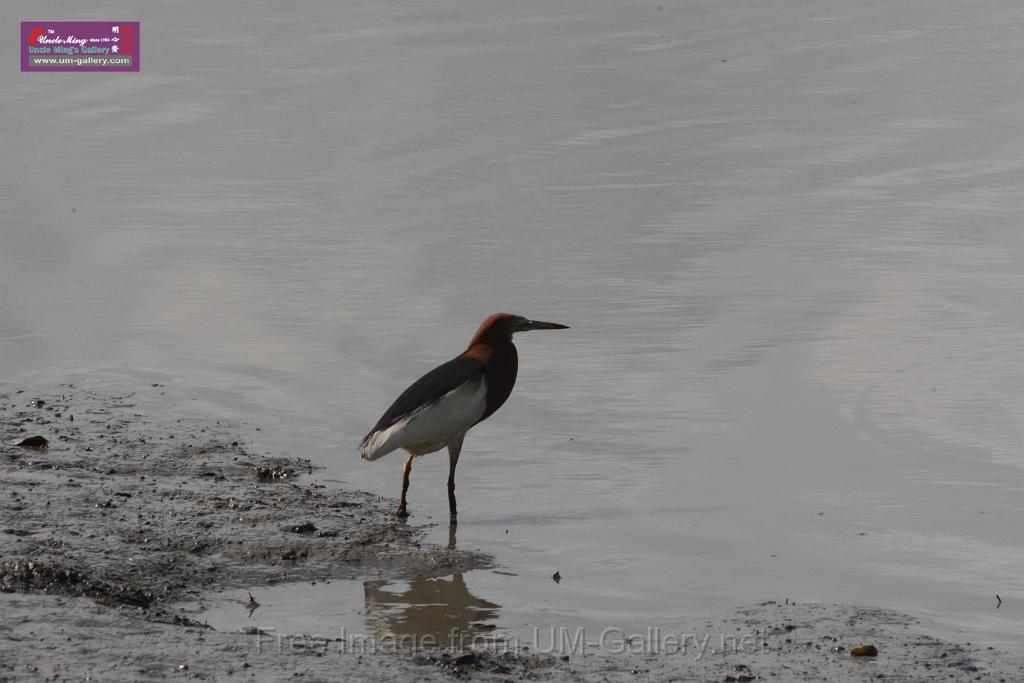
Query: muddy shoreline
x: 122, y: 519
x: 131, y: 512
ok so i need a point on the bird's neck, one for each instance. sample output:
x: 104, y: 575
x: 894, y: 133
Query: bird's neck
x: 501, y: 363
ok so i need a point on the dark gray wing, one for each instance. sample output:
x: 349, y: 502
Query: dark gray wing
x: 429, y: 389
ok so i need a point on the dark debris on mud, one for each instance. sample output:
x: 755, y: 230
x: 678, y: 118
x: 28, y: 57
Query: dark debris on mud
x: 516, y: 665
x: 134, y: 513
x: 37, y: 577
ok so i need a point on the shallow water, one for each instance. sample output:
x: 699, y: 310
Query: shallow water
x: 785, y: 236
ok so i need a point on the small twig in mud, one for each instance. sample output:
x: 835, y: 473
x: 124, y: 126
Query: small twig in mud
x: 999, y: 601
x: 252, y: 605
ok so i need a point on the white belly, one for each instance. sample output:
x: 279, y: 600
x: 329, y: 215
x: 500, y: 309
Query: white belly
x: 431, y: 428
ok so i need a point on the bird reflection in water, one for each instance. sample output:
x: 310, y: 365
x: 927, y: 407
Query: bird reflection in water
x: 431, y: 610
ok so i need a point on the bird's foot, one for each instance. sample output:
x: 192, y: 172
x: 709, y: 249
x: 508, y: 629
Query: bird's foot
x: 402, y: 513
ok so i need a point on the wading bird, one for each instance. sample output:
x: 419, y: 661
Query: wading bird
x: 441, y: 406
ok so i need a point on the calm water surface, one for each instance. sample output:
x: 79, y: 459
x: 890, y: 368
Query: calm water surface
x: 787, y: 238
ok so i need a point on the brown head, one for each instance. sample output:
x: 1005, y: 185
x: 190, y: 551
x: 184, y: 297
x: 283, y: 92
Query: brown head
x: 498, y: 329
x: 492, y: 346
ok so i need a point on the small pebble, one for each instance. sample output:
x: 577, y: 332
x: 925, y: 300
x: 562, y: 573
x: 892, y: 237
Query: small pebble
x: 34, y: 442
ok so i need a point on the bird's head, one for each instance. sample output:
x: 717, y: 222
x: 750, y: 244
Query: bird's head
x: 500, y: 327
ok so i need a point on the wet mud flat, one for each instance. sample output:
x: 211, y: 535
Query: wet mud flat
x: 49, y: 637
x: 130, y: 515
x: 122, y: 518
x: 131, y: 512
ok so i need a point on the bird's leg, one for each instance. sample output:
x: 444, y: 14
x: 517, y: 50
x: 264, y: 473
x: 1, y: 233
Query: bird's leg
x: 454, y: 449
x: 406, y: 469
x: 452, y: 507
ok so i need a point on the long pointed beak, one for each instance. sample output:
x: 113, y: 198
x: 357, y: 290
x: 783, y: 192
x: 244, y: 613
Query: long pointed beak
x: 541, y: 325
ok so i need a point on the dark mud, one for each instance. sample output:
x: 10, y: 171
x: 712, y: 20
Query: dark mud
x: 130, y: 512
x: 121, y: 519
x: 57, y: 638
